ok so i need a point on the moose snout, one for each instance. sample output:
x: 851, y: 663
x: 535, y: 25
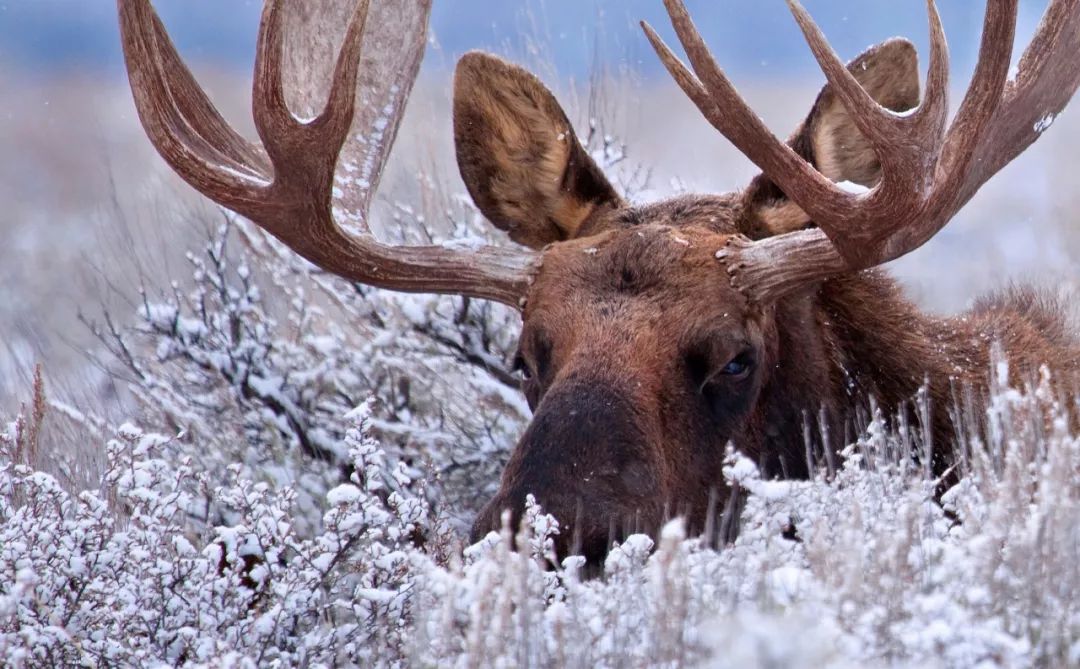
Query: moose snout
x: 581, y: 532
x: 588, y: 462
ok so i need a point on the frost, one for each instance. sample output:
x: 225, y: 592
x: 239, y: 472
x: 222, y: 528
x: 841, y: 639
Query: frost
x: 1044, y: 123
x: 472, y: 243
x: 852, y: 187
x: 788, y: 584
x: 740, y: 469
x: 129, y: 431
x: 263, y: 374
x: 121, y: 573
x: 345, y: 493
x: 673, y: 530
x: 307, y: 456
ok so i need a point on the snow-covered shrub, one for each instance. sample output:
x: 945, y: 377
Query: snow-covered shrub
x: 858, y: 568
x: 117, y: 576
x: 260, y: 359
x: 258, y: 518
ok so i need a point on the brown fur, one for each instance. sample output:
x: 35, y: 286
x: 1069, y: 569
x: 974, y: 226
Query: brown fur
x: 632, y: 328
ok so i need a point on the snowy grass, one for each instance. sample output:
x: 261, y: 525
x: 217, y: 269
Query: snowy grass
x: 876, y: 572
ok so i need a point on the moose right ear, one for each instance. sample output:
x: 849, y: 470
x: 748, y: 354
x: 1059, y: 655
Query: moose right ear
x: 829, y: 138
x: 889, y: 72
x: 518, y: 154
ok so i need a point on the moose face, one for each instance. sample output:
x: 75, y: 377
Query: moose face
x: 640, y: 362
x: 639, y: 358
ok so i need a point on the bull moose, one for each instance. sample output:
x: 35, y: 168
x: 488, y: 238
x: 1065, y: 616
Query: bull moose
x: 652, y: 335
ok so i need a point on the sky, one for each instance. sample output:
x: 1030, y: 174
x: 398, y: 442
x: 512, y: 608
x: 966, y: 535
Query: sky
x: 46, y: 37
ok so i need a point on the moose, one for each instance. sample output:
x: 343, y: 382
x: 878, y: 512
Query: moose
x: 652, y: 335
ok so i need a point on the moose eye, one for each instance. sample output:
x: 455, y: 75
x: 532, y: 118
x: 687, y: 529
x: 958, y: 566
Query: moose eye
x: 702, y: 373
x: 738, y: 366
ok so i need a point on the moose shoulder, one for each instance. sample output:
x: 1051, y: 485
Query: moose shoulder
x: 655, y: 335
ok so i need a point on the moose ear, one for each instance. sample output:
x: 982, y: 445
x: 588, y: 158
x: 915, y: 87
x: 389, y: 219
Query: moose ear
x: 889, y: 72
x: 831, y: 141
x: 519, y: 156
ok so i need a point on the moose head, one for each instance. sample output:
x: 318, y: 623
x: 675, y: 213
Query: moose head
x: 652, y: 335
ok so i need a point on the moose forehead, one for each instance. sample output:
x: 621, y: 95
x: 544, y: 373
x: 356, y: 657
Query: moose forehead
x: 662, y: 255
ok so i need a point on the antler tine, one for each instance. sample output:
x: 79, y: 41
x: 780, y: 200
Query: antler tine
x: 1047, y: 77
x: 273, y: 120
x: 338, y: 115
x: 930, y: 116
x: 685, y: 79
x: 185, y: 145
x: 304, y: 152
x: 194, y: 106
x: 725, y: 109
x: 281, y: 132
x: 986, y: 87
x: 897, y: 139
x: 836, y: 211
x: 878, y: 125
x: 288, y: 190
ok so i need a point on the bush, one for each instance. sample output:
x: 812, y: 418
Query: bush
x: 309, y: 452
x: 874, y: 572
x: 260, y: 369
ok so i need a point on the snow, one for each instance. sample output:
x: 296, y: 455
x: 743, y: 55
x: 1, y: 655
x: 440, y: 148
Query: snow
x: 742, y: 470
x: 232, y: 545
x: 852, y: 187
x: 673, y: 530
x: 472, y: 243
x: 1044, y: 123
x: 879, y: 577
x: 343, y: 494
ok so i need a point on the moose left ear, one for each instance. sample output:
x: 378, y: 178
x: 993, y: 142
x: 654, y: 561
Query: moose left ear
x: 829, y: 138
x: 519, y: 156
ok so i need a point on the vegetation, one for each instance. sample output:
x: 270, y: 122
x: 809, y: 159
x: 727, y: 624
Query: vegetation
x: 270, y: 514
x: 290, y: 463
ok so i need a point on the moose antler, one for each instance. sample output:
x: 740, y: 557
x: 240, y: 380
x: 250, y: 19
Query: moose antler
x: 286, y: 185
x: 928, y: 171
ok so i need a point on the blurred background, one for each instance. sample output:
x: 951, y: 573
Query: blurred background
x: 88, y: 211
